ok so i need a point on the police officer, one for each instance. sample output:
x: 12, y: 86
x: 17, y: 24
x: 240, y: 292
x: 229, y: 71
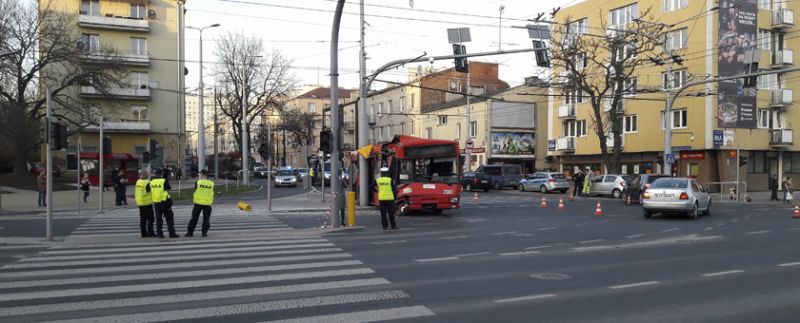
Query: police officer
x: 158, y: 188
x: 145, y: 202
x: 203, y: 199
x: 387, y: 191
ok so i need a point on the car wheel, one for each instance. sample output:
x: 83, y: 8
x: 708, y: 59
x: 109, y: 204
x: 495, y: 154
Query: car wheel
x: 708, y: 209
x: 468, y: 187
x: 647, y: 214
x: 497, y: 186
x: 521, y: 188
x: 543, y: 189
x: 694, y: 212
x: 616, y: 193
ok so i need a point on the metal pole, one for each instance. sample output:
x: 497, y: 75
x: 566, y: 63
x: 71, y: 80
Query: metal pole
x: 49, y: 169
x: 668, y: 112
x: 78, y: 157
x: 336, y: 186
x: 201, y: 129
x: 245, y: 150
x: 102, y: 175
x: 216, y: 133
x: 269, y: 169
x: 468, y: 152
x: 736, y: 162
x: 363, y: 121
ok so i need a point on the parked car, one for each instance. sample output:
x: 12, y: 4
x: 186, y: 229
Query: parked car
x: 473, y: 180
x: 500, y: 176
x: 261, y: 172
x: 676, y: 195
x: 38, y: 168
x: 544, y: 182
x: 638, y: 184
x: 609, y: 184
x: 285, y: 177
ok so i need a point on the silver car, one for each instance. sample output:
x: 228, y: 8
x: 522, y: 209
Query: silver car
x: 285, y: 177
x: 544, y: 182
x: 608, y: 184
x: 677, y: 194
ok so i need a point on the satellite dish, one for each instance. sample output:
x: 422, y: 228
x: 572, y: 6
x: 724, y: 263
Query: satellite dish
x: 151, y: 14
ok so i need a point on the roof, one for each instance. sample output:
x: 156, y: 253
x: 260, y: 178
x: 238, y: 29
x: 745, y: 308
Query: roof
x: 325, y: 93
x: 412, y: 141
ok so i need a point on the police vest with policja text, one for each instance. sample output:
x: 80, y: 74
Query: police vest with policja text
x: 142, y: 196
x: 204, y: 194
x: 385, y: 189
x: 157, y: 190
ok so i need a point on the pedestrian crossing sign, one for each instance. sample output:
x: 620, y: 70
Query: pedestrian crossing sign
x: 364, y: 151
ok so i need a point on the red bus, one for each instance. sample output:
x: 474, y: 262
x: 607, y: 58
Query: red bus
x: 90, y: 163
x: 426, y: 171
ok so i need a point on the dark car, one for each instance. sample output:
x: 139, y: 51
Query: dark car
x: 472, y: 180
x: 506, y: 175
x: 636, y: 185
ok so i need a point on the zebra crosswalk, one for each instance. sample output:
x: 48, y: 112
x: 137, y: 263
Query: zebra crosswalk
x: 294, y: 276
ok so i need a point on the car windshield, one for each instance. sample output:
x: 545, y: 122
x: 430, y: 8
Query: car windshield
x: 302, y: 170
x: 670, y: 183
x: 285, y: 173
x: 558, y: 176
x: 652, y: 179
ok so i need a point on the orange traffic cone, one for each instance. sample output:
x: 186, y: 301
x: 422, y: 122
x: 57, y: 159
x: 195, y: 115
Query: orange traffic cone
x: 543, y: 204
x: 598, y: 210
x: 628, y: 200
x: 475, y: 198
x: 561, y: 205
x: 571, y: 197
x: 796, y: 212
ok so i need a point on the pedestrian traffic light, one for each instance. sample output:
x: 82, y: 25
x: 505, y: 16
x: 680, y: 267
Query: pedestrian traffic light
x: 59, y: 140
x: 107, y: 145
x: 146, y: 157
x: 263, y: 151
x: 325, y: 141
x: 461, y: 63
x: 742, y: 160
x: 542, y: 59
x: 152, y: 149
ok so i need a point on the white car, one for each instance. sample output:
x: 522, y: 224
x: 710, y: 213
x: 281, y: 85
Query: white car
x: 285, y: 177
x: 676, y: 195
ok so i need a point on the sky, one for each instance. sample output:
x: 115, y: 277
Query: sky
x: 396, y: 29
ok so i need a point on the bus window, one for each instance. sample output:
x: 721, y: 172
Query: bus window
x: 444, y: 170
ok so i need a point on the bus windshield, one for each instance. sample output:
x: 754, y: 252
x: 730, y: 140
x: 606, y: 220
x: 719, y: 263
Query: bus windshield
x: 428, y: 170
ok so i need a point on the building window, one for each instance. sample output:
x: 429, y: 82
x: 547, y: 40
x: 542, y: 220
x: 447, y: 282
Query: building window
x: 568, y: 128
x: 679, y: 119
x: 768, y: 82
x: 312, y: 108
x: 677, y: 80
x: 764, y: 39
x: 138, y: 11
x: 763, y: 118
x: 629, y: 86
x: 412, y: 127
x: 442, y: 120
x: 580, y: 128
x: 139, y: 113
x: 672, y: 5
x: 630, y: 124
x: 139, y: 46
x: 763, y: 4
x: 429, y: 133
x: 757, y: 162
x: 577, y: 27
x: 403, y: 128
x: 90, y: 7
x: 677, y: 39
x: 138, y: 80
x: 380, y: 133
x: 90, y: 43
x: 372, y: 110
x: 402, y: 104
x: 389, y: 107
x: 617, y: 18
x: 458, y: 130
x: 389, y: 133
x: 473, y: 129
x: 380, y: 109
x: 413, y: 102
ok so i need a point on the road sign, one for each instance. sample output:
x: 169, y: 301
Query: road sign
x: 470, y: 143
x: 671, y: 158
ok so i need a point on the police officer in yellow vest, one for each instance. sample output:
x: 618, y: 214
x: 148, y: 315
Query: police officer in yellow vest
x: 158, y: 188
x: 203, y: 199
x: 387, y: 191
x: 145, y: 202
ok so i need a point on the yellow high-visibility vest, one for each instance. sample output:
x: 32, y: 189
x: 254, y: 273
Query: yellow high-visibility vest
x: 385, y: 189
x: 143, y: 197
x: 204, y: 194
x: 157, y: 190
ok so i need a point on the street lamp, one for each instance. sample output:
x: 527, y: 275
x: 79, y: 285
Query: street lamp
x: 201, y: 141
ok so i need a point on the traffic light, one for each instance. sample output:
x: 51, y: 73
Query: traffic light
x: 263, y: 150
x: 107, y: 145
x: 542, y: 59
x: 461, y: 63
x: 325, y: 141
x: 59, y: 140
x: 146, y: 157
x: 152, y: 148
x: 742, y: 160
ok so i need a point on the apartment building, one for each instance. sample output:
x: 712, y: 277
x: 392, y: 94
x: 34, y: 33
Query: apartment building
x: 147, y: 37
x: 193, y: 119
x: 709, y: 121
x: 504, y: 126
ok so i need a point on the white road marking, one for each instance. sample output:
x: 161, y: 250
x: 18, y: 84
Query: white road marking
x: 537, y: 247
x: 758, y: 232
x: 524, y: 298
x: 670, y: 230
x: 453, y: 237
x: 503, y: 233
x: 673, y: 240
x: 365, y: 316
x: 708, y: 229
x: 592, y: 241
x: 519, y: 253
x: 472, y: 254
x: 592, y: 248
x: 436, y: 259
x: 209, y: 246
x: 66, y: 248
x: 722, y: 273
x: 548, y: 228
x: 179, y: 298
x: 237, y: 309
x: 652, y: 282
x: 390, y: 242
x: 634, y: 236
x: 788, y: 264
x: 181, y: 284
x: 795, y: 229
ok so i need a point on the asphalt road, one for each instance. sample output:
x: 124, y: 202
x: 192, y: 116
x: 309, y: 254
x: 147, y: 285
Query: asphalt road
x: 503, y: 259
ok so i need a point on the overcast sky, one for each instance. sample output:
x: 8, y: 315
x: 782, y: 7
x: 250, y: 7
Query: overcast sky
x: 396, y: 29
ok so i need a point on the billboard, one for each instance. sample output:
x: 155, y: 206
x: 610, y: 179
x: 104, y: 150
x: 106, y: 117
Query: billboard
x: 512, y: 145
x: 736, y: 104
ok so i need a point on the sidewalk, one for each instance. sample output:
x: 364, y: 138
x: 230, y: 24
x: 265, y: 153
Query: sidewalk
x: 307, y: 202
x: 755, y: 197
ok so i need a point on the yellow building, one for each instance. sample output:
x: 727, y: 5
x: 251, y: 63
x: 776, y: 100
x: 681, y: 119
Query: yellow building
x: 708, y: 120
x: 148, y: 37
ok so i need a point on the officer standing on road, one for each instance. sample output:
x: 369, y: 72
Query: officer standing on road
x: 203, y: 199
x: 387, y: 191
x: 145, y: 202
x: 158, y: 189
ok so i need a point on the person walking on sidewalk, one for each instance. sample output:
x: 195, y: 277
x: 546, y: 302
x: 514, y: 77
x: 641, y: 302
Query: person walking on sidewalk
x: 144, y: 200
x: 387, y: 190
x: 162, y: 204
x: 41, y: 187
x: 788, y: 186
x: 85, y: 187
x: 123, y: 187
x: 203, y: 198
x: 773, y: 187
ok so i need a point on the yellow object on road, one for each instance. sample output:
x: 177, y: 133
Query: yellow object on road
x: 351, y: 209
x: 245, y: 207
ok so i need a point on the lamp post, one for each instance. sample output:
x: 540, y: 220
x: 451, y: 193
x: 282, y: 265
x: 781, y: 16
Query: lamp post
x: 201, y: 141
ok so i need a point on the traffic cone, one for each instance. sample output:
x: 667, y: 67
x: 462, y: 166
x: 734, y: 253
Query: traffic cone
x: 475, y: 198
x: 598, y: 210
x: 796, y: 214
x: 561, y: 205
x: 543, y: 204
x: 628, y: 200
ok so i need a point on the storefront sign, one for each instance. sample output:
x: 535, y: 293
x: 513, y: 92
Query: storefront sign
x: 732, y: 154
x: 693, y: 155
x: 479, y: 150
x: 737, y: 39
x: 512, y: 145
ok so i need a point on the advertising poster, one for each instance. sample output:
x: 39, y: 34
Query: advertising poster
x: 736, y: 105
x: 512, y: 145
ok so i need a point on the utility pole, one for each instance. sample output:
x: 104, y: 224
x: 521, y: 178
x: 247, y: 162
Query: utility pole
x: 468, y: 152
x: 201, y: 141
x: 102, y: 175
x: 216, y: 134
x: 245, y: 150
x: 668, y: 110
x: 269, y: 167
x: 336, y: 187
x: 363, y: 119
x: 49, y: 169
x: 78, y: 158
x: 500, y: 28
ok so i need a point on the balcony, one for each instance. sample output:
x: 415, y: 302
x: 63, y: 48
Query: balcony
x: 620, y: 106
x: 782, y: 57
x: 566, y: 144
x: 782, y: 19
x: 610, y: 142
x: 126, y: 126
x: 117, y: 93
x: 780, y: 98
x: 780, y: 138
x: 567, y: 111
x: 112, y: 22
x: 126, y: 58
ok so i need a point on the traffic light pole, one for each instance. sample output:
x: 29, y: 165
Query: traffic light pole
x: 49, y: 169
x: 269, y: 168
x: 101, y: 174
x: 78, y: 155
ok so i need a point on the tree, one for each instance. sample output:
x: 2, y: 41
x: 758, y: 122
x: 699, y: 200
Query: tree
x: 299, y: 129
x: 603, y: 69
x: 244, y: 63
x: 43, y: 50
